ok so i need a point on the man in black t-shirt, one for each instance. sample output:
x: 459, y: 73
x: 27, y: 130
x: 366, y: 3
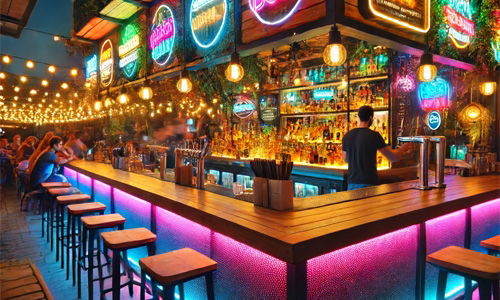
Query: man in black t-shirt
x: 360, y: 146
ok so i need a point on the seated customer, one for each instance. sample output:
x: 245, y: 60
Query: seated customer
x: 26, y: 150
x: 47, y: 164
x: 75, y: 143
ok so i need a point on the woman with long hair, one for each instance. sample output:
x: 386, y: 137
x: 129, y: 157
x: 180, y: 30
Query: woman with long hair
x: 44, y: 143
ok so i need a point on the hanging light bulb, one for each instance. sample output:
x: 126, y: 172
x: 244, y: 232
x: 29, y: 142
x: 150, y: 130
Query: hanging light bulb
x: 146, y: 92
x: 51, y: 69
x: 16, y: 89
x: 23, y: 79
x: 234, y: 71
x: 73, y: 72
x: 6, y: 59
x: 2, y: 75
x: 98, y: 105
x: 335, y: 53
x: 45, y: 82
x: 487, y: 88
x: 30, y: 64
x: 427, y: 70
x: 123, y: 98
x: 64, y: 85
x: 184, y: 84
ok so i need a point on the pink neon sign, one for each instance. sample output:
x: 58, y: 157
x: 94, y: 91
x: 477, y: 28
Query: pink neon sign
x: 161, y: 33
x: 273, y: 12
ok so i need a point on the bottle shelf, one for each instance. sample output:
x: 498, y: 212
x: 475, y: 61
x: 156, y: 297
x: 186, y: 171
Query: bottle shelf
x: 315, y: 113
x: 383, y: 76
x: 307, y: 87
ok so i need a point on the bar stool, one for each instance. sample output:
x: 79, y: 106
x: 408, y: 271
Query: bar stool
x: 174, y: 268
x: 492, y: 244
x: 44, y: 199
x: 480, y: 267
x: 119, y: 242
x: 61, y: 203
x: 92, y: 224
x: 75, y: 211
x: 49, y: 208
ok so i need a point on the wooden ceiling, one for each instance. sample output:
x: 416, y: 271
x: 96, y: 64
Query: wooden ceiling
x: 14, y: 16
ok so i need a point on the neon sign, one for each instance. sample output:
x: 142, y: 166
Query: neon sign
x: 434, y: 95
x: 434, y: 120
x: 162, y: 38
x: 411, y: 14
x: 273, y: 12
x: 244, y: 107
x: 495, y: 43
x: 459, y: 19
x: 207, y: 19
x: 128, y: 51
x: 323, y: 94
x: 406, y: 83
x: 91, y: 68
x: 106, y: 63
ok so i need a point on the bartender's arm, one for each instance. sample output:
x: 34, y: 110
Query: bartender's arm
x: 395, y: 155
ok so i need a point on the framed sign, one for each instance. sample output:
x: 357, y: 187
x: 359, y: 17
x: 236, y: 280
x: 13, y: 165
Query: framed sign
x: 162, y: 37
x: 434, y: 95
x: 414, y: 15
x: 244, y: 107
x: 106, y: 63
x: 434, y: 120
x: 91, y: 69
x: 458, y: 17
x: 273, y: 12
x: 128, y: 51
x: 207, y: 19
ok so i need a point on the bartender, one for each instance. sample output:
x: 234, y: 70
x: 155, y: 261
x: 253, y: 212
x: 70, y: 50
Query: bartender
x: 359, y: 149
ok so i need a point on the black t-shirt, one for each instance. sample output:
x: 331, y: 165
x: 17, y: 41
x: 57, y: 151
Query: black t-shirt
x: 361, y: 145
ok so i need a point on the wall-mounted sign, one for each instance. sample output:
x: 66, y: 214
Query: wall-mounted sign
x: 411, y: 14
x: 162, y: 38
x: 269, y: 114
x: 106, y: 63
x: 128, y: 51
x: 434, y: 120
x: 495, y: 43
x: 459, y: 19
x: 434, y: 95
x: 244, y: 107
x: 319, y: 94
x: 406, y: 83
x: 273, y: 12
x: 91, y: 69
x: 207, y: 19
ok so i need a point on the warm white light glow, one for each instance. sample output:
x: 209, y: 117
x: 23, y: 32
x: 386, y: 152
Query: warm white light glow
x: 2, y: 75
x: 56, y: 38
x: 17, y: 89
x: 98, y: 105
x: 30, y: 64
x: 146, y: 93
x: 6, y: 59
x: 123, y: 98
x: 487, y: 88
x: 33, y: 92
x: 64, y: 85
x: 58, y: 95
x: 184, y: 85
x: 51, y: 69
x: 73, y: 72
x: 334, y: 55
x: 45, y: 82
x: 234, y: 72
x: 23, y: 79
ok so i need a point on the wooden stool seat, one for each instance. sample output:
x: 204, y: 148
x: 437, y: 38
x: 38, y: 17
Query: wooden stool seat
x: 177, y: 265
x: 69, y: 199
x: 102, y: 221
x: 59, y: 191
x: 128, y: 238
x: 48, y: 185
x: 465, y: 261
x: 83, y: 208
x: 492, y: 243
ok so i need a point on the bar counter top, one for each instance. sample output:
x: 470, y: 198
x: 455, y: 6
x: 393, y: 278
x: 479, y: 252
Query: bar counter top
x: 295, y: 236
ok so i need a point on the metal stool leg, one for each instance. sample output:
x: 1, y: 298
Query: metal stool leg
x: 130, y: 274
x: 90, y: 270
x: 99, y: 264
x: 441, y: 288
x: 116, y: 275
x: 484, y: 289
x: 209, y: 279
x: 73, y: 250
x: 143, y: 285
x: 468, y: 289
x: 68, y: 244
x: 169, y: 292
x: 81, y: 256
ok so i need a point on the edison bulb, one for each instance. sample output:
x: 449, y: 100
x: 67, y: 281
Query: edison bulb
x: 98, y: 105
x: 23, y: 79
x: 334, y: 55
x: 123, y: 98
x: 234, y: 72
x: 427, y: 72
x: 45, y: 82
x: 51, y: 69
x: 2, y: 75
x: 487, y: 88
x: 146, y: 93
x: 30, y: 64
x: 472, y: 112
x: 184, y: 85
x: 64, y: 85
x: 73, y: 72
x: 6, y: 59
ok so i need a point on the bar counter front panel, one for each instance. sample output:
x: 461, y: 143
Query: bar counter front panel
x: 264, y: 254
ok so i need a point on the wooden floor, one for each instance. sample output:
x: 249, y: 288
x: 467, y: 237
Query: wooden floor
x: 21, y: 279
x: 20, y: 238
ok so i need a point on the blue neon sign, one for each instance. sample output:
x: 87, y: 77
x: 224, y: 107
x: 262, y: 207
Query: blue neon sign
x: 434, y: 95
x: 207, y: 19
x: 91, y: 67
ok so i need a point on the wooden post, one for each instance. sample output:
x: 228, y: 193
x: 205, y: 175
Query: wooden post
x: 296, y: 281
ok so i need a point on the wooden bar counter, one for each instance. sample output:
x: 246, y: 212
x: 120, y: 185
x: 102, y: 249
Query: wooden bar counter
x: 296, y: 236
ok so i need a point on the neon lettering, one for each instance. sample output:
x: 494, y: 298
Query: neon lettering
x: 258, y: 7
x: 162, y: 38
